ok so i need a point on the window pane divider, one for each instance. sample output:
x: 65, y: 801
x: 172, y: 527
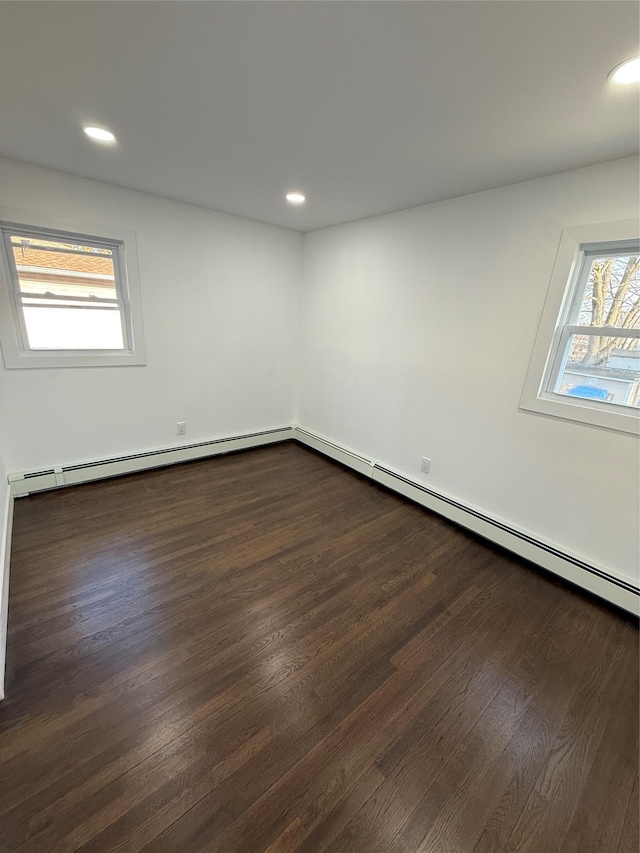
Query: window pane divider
x: 65, y: 251
x: 58, y: 306
x: 603, y: 331
x: 54, y: 297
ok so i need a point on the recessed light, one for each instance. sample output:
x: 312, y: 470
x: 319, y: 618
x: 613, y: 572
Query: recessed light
x: 296, y: 198
x: 627, y: 72
x: 99, y: 134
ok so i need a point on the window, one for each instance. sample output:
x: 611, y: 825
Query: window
x: 587, y: 368
x: 68, y: 297
x: 598, y: 353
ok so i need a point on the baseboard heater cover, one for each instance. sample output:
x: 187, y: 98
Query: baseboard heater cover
x: 68, y: 475
x: 599, y: 581
x: 335, y: 451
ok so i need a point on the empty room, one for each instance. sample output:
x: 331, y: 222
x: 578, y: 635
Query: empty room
x: 319, y: 426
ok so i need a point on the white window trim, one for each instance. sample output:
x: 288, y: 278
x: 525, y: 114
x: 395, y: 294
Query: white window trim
x: 13, y: 352
x: 567, y: 264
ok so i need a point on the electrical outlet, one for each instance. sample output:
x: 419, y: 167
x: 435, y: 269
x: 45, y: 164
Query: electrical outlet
x: 181, y: 428
x: 425, y: 466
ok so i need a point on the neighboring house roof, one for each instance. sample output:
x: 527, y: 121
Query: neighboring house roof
x: 28, y: 256
x: 79, y: 274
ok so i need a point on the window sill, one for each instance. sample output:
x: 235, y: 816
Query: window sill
x: 621, y: 421
x: 42, y: 360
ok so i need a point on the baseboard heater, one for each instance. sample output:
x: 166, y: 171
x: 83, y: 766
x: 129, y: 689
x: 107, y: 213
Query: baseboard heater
x: 602, y: 582
x: 28, y: 482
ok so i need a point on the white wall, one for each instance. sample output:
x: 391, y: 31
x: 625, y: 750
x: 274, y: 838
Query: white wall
x: 219, y: 299
x: 416, y: 332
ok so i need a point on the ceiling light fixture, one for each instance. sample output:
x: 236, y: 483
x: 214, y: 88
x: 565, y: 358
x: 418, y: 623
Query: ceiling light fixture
x: 296, y: 198
x: 99, y: 134
x: 627, y: 72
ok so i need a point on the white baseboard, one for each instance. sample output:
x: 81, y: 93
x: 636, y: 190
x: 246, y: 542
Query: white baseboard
x: 602, y: 582
x: 27, y: 482
x: 5, y: 559
x: 335, y: 451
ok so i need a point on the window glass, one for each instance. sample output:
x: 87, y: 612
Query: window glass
x: 67, y: 294
x: 612, y: 293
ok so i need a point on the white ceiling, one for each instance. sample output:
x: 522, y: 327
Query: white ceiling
x: 368, y: 107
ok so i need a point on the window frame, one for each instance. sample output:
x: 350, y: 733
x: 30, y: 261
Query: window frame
x: 578, y: 245
x: 13, y: 337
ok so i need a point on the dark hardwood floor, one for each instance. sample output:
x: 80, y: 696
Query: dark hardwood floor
x: 264, y: 651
